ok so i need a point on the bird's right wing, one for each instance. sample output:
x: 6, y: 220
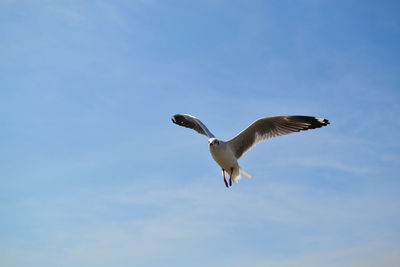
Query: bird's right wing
x: 270, y: 127
x: 191, y: 122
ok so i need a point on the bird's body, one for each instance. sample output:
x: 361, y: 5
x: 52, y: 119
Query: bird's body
x: 227, y: 153
x: 224, y: 156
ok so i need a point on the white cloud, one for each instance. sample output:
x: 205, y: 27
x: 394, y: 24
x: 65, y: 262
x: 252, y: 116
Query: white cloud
x: 68, y: 12
x: 373, y: 254
x: 136, y: 221
x: 333, y: 164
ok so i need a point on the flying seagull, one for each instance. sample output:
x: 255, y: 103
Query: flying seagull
x: 227, y: 153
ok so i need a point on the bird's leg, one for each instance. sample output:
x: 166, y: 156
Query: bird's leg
x: 223, y: 173
x: 230, y: 178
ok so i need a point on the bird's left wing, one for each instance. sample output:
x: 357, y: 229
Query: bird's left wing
x: 269, y: 127
x: 191, y: 122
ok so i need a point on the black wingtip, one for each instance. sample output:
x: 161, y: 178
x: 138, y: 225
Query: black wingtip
x: 321, y: 122
x: 177, y: 119
x: 180, y: 120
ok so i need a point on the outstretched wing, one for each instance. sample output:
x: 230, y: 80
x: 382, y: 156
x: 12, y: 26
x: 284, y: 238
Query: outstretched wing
x: 191, y: 122
x: 270, y: 127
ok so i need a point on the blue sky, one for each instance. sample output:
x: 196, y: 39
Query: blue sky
x: 94, y: 173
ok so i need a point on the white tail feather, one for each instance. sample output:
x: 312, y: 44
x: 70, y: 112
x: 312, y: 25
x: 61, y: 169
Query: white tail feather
x: 246, y: 174
x: 236, y: 175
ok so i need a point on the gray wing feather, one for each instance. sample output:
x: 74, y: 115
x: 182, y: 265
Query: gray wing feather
x: 191, y: 122
x: 270, y: 127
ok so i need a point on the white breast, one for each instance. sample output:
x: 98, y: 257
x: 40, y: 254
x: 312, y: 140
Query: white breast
x: 224, y: 156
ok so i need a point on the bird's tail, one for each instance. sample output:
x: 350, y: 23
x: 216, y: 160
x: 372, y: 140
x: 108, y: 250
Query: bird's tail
x: 236, y: 174
x: 246, y: 174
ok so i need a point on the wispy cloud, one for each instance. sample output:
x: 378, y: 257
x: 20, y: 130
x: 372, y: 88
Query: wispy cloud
x: 155, y: 218
x: 333, y: 164
x: 371, y: 254
x: 70, y: 13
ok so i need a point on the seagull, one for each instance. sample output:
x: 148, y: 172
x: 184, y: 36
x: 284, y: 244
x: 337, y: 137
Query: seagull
x: 227, y: 153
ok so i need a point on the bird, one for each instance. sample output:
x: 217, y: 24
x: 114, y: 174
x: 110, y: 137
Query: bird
x: 227, y: 153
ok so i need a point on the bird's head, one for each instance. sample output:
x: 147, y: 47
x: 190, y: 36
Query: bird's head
x: 213, y: 142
